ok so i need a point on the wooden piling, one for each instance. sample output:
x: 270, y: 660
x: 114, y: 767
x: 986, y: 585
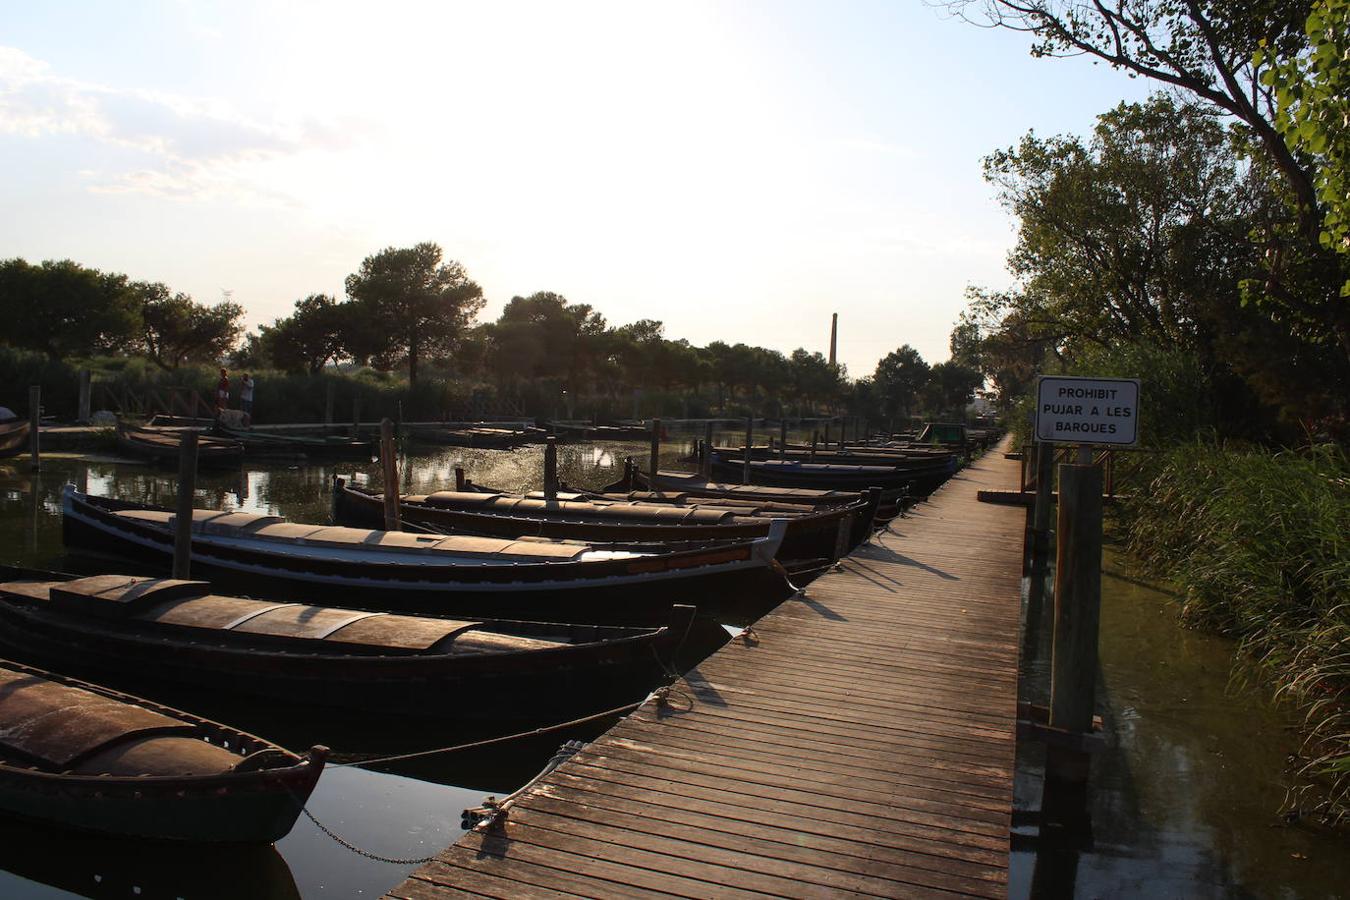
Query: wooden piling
x: 815, y: 436
x: 749, y: 446
x: 389, y: 465
x: 85, y: 402
x: 782, y: 439
x: 459, y: 478
x: 705, y: 462
x: 1039, y: 545
x: 827, y: 433
x: 654, y: 460
x: 34, y: 424
x: 187, y: 484
x: 550, y: 468
x: 1078, y: 584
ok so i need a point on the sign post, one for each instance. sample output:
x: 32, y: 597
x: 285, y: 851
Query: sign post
x: 1086, y: 412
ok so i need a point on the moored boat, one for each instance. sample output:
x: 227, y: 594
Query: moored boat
x: 547, y: 579
x: 264, y: 443
x: 13, y: 437
x: 76, y: 755
x: 181, y: 632
x: 163, y: 447
x: 812, y: 537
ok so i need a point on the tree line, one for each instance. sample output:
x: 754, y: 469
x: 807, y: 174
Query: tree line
x: 411, y: 310
x: 1197, y: 239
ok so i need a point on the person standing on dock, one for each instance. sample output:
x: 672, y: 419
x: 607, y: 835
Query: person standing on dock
x: 222, y: 392
x: 246, y: 399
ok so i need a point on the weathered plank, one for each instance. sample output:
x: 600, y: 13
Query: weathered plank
x: 860, y: 743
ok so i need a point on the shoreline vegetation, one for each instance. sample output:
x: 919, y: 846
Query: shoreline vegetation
x: 1258, y: 543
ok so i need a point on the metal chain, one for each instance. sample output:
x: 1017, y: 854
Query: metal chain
x: 366, y: 853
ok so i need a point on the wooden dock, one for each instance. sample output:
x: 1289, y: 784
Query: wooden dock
x: 860, y: 743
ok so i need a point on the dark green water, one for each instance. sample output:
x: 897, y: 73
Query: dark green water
x: 1185, y: 800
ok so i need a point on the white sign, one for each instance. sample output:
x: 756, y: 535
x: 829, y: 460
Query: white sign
x: 1087, y: 410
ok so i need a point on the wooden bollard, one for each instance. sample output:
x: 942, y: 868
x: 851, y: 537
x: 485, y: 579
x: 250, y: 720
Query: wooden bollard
x: 782, y: 438
x: 187, y: 484
x: 1078, y: 594
x: 705, y: 463
x: 34, y: 424
x: 389, y: 465
x: 749, y: 447
x: 654, y: 459
x: 550, y: 468
x: 459, y: 478
x: 1040, y: 544
x: 84, y: 410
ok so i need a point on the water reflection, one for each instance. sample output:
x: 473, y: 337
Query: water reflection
x: 1184, y: 801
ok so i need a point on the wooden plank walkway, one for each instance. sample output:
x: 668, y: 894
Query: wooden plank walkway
x: 864, y: 746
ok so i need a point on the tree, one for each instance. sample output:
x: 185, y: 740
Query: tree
x: 1313, y: 95
x: 899, y: 378
x: 1224, y: 54
x: 950, y: 387
x: 310, y: 337
x: 544, y: 336
x: 410, y: 304
x: 176, y: 329
x: 62, y: 308
x: 1141, y: 233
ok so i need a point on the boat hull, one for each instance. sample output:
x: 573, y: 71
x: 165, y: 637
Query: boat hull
x: 636, y: 591
x: 809, y: 540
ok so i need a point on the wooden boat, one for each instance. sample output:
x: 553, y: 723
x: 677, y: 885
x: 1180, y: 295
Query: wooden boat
x: 13, y: 437
x: 80, y: 756
x: 554, y: 580
x: 428, y: 666
x: 813, y: 536
x: 263, y: 444
x: 162, y: 447
x: 482, y: 437
x: 603, y: 432
x: 914, y: 480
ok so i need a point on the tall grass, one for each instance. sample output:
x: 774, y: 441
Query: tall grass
x: 1259, y: 542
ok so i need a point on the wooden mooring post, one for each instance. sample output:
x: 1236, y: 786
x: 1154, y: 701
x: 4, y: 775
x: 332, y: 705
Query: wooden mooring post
x: 84, y: 410
x: 1038, y: 546
x: 815, y: 436
x: 782, y: 438
x: 550, y: 468
x: 389, y: 466
x: 654, y: 458
x: 34, y: 424
x: 749, y: 447
x: 1073, y: 667
x: 705, y: 461
x: 187, y: 485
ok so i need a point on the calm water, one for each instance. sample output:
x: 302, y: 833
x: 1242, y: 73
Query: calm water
x: 412, y: 810
x: 1185, y: 800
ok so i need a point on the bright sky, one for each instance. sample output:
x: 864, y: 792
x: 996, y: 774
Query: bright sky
x: 737, y: 169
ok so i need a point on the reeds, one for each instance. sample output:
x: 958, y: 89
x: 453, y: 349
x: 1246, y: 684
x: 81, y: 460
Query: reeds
x: 1259, y: 543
